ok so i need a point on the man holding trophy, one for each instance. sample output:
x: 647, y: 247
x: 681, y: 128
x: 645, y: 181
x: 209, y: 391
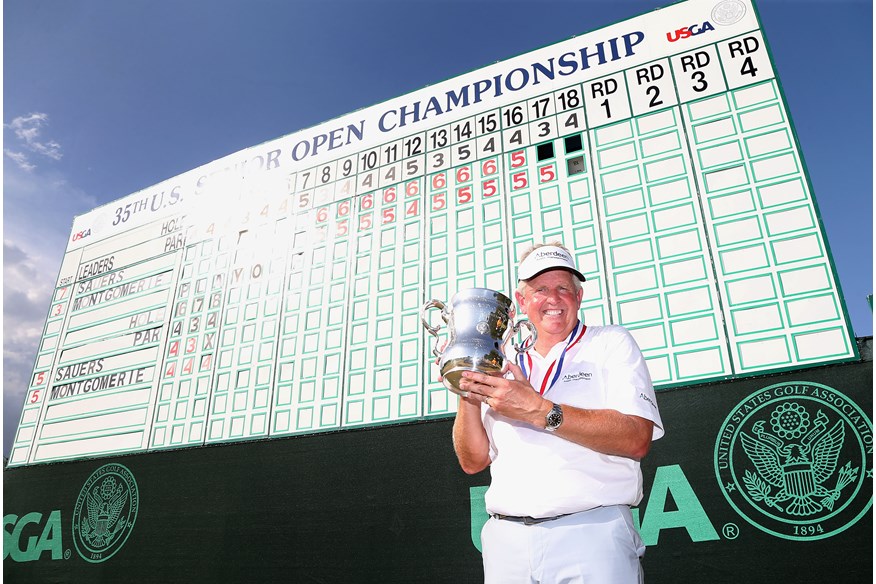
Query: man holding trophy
x: 563, y: 430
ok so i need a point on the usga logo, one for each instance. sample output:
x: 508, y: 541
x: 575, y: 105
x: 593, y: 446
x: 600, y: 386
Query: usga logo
x: 103, y: 518
x: 670, y: 483
x: 37, y: 534
x: 81, y: 235
x: 689, y: 31
x: 795, y: 460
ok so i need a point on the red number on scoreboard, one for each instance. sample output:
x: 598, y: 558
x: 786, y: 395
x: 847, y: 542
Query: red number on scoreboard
x: 439, y: 201
x: 518, y: 159
x: 413, y: 208
x: 547, y: 173
x: 463, y: 174
x: 439, y: 181
x: 489, y: 166
x: 490, y: 187
x: 303, y: 200
x: 463, y: 194
x: 519, y: 181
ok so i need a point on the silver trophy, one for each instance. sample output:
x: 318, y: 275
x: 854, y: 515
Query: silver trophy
x: 480, y: 323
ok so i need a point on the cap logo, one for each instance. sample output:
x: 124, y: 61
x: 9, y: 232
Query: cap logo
x: 553, y: 254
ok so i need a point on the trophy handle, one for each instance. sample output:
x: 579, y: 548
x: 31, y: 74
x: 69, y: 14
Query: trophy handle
x: 433, y: 330
x: 529, y: 342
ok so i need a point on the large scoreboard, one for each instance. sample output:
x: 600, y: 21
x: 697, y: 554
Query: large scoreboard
x: 277, y: 291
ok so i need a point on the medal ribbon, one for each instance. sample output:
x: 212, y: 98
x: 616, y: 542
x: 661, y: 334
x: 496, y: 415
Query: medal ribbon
x: 574, y: 337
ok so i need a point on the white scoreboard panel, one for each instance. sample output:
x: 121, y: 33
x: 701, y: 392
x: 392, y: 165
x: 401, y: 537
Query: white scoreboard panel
x: 277, y: 291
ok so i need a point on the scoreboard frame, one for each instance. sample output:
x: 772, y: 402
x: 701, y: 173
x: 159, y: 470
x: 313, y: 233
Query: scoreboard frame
x: 276, y: 291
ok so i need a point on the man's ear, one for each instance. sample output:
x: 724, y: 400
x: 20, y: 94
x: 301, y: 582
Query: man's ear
x: 521, y: 301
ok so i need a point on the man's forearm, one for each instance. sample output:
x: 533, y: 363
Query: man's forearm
x: 469, y: 438
x: 607, y: 431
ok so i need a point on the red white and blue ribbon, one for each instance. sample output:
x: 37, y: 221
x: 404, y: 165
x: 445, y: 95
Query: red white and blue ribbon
x: 526, y: 363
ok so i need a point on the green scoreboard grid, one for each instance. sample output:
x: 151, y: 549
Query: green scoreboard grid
x: 277, y: 291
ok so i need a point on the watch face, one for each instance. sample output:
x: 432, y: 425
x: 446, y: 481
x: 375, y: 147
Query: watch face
x: 555, y: 417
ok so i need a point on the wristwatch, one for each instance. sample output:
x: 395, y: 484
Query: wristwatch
x: 554, y: 418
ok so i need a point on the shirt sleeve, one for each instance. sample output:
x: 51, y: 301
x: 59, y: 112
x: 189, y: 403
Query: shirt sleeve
x: 628, y: 381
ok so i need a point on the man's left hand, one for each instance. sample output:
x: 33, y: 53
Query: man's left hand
x: 513, y: 398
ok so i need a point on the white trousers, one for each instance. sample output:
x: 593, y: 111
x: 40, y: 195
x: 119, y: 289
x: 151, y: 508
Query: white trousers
x: 599, y: 546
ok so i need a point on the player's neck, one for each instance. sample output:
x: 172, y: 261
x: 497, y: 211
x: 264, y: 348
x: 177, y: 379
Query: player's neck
x: 547, y: 341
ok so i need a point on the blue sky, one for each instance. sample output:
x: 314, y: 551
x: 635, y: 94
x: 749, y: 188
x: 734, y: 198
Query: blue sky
x: 103, y: 98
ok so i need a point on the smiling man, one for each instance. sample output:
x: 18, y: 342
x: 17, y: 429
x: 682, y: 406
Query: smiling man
x: 563, y: 431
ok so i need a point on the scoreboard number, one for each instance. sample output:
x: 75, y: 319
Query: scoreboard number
x: 698, y: 74
x: 746, y: 60
x: 606, y: 100
x: 651, y: 87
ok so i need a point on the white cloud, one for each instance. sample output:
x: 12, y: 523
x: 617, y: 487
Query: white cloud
x: 26, y: 296
x: 20, y: 158
x: 38, y: 211
x: 28, y: 131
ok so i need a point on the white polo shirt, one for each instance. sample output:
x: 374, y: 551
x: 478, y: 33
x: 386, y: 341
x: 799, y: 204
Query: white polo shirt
x: 538, y: 474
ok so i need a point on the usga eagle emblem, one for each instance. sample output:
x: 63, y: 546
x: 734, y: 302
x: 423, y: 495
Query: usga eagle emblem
x: 105, y: 512
x: 795, y: 460
x: 104, y: 503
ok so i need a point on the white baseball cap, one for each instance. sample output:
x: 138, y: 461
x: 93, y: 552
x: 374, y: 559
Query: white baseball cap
x: 548, y: 257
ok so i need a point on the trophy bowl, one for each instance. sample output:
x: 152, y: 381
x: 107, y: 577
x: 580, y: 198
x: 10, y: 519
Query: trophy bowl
x: 479, y: 321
